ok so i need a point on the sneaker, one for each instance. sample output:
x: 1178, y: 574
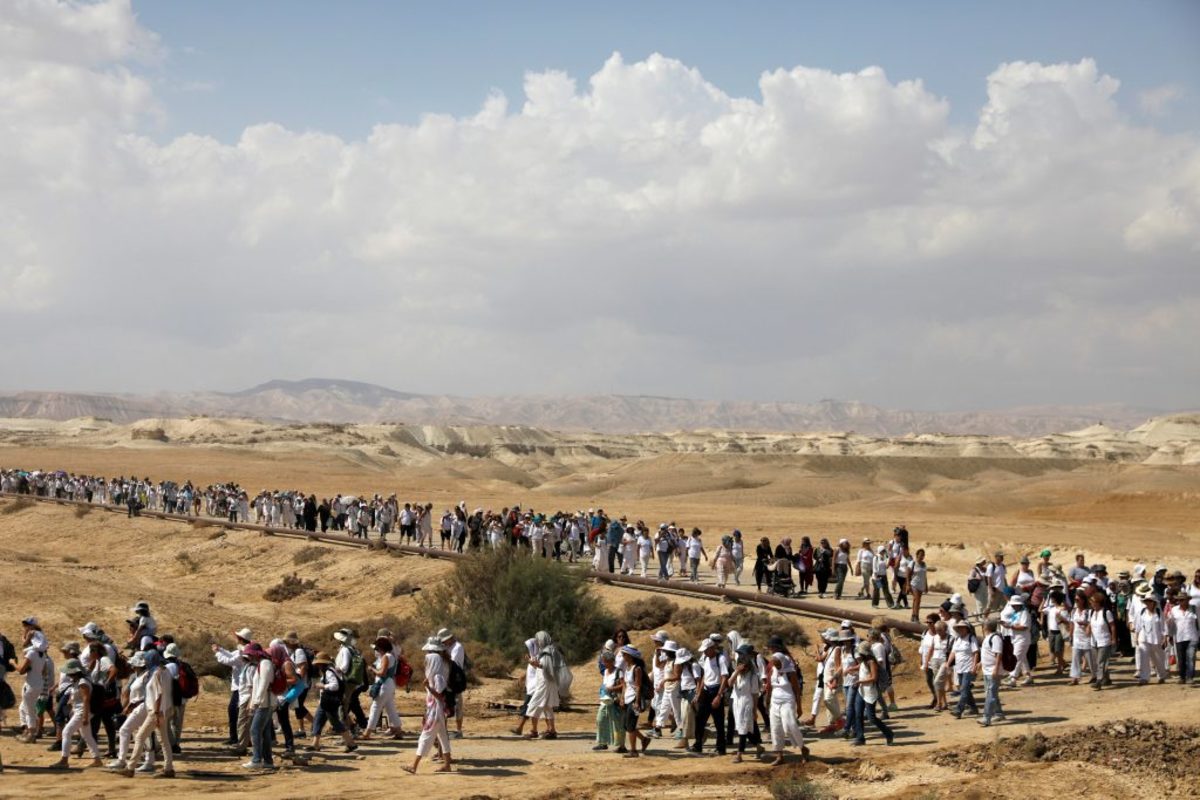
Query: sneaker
x: 457, y: 734
x: 600, y: 747
x: 956, y: 714
x: 983, y: 722
x: 893, y: 707
x: 167, y: 773
x: 252, y: 765
x: 145, y: 769
x: 116, y: 764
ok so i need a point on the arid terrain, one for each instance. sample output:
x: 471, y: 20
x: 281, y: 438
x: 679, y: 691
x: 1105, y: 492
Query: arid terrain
x: 1119, y: 496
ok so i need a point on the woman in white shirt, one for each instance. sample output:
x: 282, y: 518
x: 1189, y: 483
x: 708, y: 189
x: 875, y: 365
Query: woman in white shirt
x: 1081, y: 637
x: 1057, y: 619
x: 433, y: 725
x: 867, y: 695
x: 1103, y: 629
x: 383, y: 689
x: 783, y: 690
x: 134, y: 711
x: 80, y: 721
x: 745, y: 686
x: 1150, y: 636
x: 1185, y: 631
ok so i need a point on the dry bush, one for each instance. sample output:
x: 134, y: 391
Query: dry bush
x: 755, y: 626
x: 647, y: 613
x: 82, y: 511
x: 214, y: 535
x: 186, y: 561
x: 799, y: 789
x: 20, y: 504
x: 196, y: 649
x: 200, y: 524
x: 941, y: 587
x: 404, y: 589
x: 289, y: 588
x: 309, y: 554
x: 488, y: 662
x: 515, y: 689
x: 70, y: 560
x: 365, y: 630
x: 29, y: 558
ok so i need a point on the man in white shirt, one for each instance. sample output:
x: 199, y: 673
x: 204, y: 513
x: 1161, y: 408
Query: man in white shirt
x: 1185, y: 631
x: 989, y: 664
x: 997, y: 580
x: 458, y: 654
x: 237, y: 667
x: 711, y: 694
x: 864, y: 567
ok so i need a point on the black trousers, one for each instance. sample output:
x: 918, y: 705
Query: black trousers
x: 704, y: 710
x: 233, y: 716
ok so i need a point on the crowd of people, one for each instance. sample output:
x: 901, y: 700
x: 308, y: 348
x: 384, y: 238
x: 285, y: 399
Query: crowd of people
x: 136, y: 689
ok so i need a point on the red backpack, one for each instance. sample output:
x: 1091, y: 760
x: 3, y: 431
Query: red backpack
x: 279, y: 681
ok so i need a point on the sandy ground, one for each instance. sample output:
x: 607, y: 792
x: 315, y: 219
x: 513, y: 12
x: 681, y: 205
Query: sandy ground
x: 69, y: 569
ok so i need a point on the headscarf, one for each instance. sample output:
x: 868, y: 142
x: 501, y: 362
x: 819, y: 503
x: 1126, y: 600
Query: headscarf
x: 546, y: 647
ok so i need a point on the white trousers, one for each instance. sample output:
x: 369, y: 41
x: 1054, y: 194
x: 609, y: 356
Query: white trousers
x: 28, y: 714
x: 128, y: 730
x: 1021, y: 651
x: 784, y: 726
x: 668, y: 707
x: 1148, y: 655
x: 386, y: 701
x: 1079, y: 657
x: 433, y: 727
x: 75, y: 725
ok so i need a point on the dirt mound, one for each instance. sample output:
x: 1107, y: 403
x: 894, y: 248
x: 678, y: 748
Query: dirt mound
x: 1153, y: 750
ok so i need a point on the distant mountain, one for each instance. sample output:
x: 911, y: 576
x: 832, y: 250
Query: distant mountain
x: 327, y: 400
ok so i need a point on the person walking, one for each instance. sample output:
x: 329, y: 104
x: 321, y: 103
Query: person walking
x: 990, y: 653
x: 964, y: 665
x: 713, y: 688
x: 158, y: 691
x: 79, y: 699
x: 784, y: 688
x: 866, y: 695
x: 433, y: 724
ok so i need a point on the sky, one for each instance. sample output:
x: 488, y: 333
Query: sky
x: 924, y: 204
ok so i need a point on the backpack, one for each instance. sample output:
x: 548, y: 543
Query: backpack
x: 357, y: 675
x: 403, y: 673
x: 279, y: 680
x: 564, y: 678
x: 8, y: 653
x: 1008, y: 658
x: 457, y: 682
x: 189, y: 684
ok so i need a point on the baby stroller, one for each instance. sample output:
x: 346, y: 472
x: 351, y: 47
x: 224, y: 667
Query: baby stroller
x: 782, y: 583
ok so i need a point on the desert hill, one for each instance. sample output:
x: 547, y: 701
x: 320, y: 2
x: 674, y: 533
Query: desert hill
x: 325, y: 400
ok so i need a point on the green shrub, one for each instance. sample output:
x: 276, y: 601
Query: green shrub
x: 503, y: 598
x: 488, y: 662
x: 648, y: 613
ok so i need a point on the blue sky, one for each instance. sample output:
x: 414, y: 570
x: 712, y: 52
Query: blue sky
x: 343, y: 67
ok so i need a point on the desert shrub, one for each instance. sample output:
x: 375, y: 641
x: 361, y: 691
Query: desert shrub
x: 20, y: 504
x: 488, y: 662
x: 200, y: 524
x: 82, y: 511
x: 756, y: 626
x: 942, y: 588
x: 515, y: 689
x: 217, y: 534
x: 306, y: 555
x: 502, y: 598
x: 404, y: 589
x: 187, y: 562
x: 29, y: 558
x: 799, y: 789
x: 70, y: 560
x: 291, y: 587
x: 196, y: 649
x: 365, y: 629
x: 647, y: 613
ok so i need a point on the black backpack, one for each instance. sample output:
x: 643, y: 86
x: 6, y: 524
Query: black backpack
x: 8, y: 653
x: 457, y: 683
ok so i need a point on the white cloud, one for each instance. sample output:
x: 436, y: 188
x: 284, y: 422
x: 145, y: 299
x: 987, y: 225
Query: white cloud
x: 1157, y: 102
x: 638, y: 231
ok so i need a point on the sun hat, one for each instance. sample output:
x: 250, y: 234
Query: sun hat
x: 70, y: 647
x: 432, y: 645
x: 829, y: 634
x: 244, y: 634
x: 630, y: 650
x: 961, y: 623
x: 847, y: 624
x: 669, y: 646
x: 90, y: 631
x: 343, y: 635
x: 1159, y: 568
x: 137, y: 660
x: 1150, y: 598
x: 72, y: 667
x: 171, y: 651
x: 683, y: 655
x: 321, y: 659
x: 30, y: 621
x: 609, y: 645
x: 981, y: 560
x: 141, y: 607
x: 956, y: 599
x: 1017, y: 600
x: 1045, y: 553
x: 863, y: 649
x: 1139, y: 570
x: 1123, y: 574
x: 845, y: 636
x: 444, y: 635
x: 292, y: 638
x: 1143, y: 590
x: 659, y: 637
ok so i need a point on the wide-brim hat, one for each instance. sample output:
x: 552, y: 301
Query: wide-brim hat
x: 660, y: 637
x: 343, y: 635
x: 683, y: 655
x: 72, y: 667
x: 1144, y: 590
x: 445, y: 635
x: 433, y: 645
x: 961, y: 623
x: 244, y: 634
x: 292, y: 638
x: 321, y: 659
x: 863, y: 649
x: 670, y: 646
x: 845, y: 636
